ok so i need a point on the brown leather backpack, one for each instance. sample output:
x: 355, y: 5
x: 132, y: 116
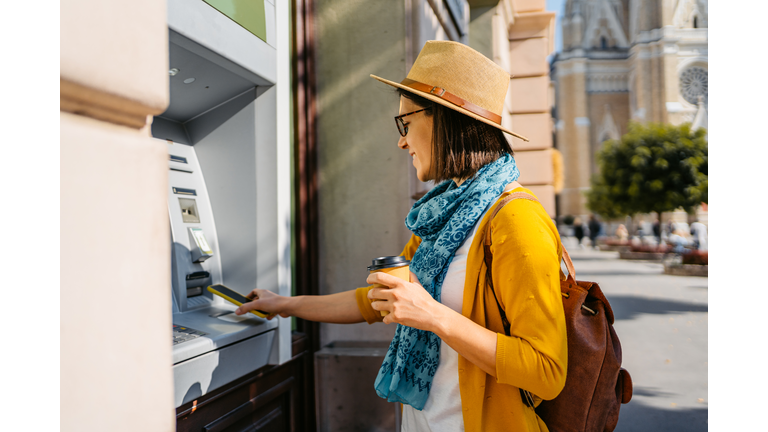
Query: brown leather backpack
x: 595, y: 385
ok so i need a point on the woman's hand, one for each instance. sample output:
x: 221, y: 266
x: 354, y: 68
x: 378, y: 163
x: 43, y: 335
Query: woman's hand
x: 408, y: 303
x: 268, y: 302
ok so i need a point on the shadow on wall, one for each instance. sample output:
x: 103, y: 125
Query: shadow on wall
x: 636, y: 417
x: 628, y: 307
x: 353, y: 108
x: 193, y: 393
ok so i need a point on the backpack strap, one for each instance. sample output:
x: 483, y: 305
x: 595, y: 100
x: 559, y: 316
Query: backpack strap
x: 525, y: 395
x: 489, y: 256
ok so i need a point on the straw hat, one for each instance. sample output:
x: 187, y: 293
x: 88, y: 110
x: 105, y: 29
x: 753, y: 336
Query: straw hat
x: 460, y: 78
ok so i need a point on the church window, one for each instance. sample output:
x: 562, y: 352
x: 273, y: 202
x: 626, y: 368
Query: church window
x: 694, y: 83
x: 603, y: 43
x: 695, y: 22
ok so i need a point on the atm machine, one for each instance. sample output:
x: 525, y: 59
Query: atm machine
x: 229, y: 218
x: 211, y: 345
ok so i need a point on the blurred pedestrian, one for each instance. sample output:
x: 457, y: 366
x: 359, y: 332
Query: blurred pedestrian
x: 622, y: 233
x: 657, y: 231
x: 699, y: 234
x: 678, y: 241
x: 578, y: 229
x: 594, y: 230
x: 670, y: 228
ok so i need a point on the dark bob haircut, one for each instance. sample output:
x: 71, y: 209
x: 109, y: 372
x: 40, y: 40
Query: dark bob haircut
x: 461, y: 145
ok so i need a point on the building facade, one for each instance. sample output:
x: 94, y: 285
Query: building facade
x: 622, y: 61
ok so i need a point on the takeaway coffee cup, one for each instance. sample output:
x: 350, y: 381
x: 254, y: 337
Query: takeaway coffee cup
x: 394, y: 265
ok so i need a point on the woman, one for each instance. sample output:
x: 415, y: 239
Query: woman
x: 451, y: 363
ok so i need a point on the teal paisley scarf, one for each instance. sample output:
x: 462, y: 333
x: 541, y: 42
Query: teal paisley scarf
x: 442, y: 218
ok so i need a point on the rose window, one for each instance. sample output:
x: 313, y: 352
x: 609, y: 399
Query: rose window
x: 693, y: 83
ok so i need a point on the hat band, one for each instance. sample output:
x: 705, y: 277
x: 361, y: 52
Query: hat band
x: 452, y: 98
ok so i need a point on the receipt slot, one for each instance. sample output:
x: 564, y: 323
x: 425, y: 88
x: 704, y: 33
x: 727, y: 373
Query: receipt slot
x: 227, y: 225
x: 201, y: 251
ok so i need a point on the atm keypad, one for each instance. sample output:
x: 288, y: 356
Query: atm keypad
x: 183, y: 334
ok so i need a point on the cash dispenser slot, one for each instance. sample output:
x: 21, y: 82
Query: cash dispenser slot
x: 196, y: 281
x: 197, y: 276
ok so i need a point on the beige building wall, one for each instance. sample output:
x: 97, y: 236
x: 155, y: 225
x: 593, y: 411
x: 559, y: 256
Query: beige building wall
x: 115, y: 254
x: 573, y: 133
x: 522, y: 36
x: 367, y: 184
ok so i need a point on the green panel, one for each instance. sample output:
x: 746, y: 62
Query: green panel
x: 248, y: 13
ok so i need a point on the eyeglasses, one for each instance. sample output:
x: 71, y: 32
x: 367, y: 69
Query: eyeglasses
x: 401, y: 127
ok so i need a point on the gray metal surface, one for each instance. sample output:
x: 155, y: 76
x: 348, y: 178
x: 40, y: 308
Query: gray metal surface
x: 182, y: 264
x: 222, y: 330
x: 228, y: 157
x: 227, y: 43
x: 212, y: 85
x: 200, y: 375
x: 229, y: 113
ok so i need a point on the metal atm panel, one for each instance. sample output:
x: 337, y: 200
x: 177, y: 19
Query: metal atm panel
x: 212, y: 346
x: 229, y: 224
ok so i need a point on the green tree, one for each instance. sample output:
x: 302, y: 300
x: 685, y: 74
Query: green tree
x: 653, y: 168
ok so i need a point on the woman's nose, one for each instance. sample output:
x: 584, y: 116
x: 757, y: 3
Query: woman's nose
x: 402, y: 143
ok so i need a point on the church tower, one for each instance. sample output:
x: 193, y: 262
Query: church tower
x: 622, y: 60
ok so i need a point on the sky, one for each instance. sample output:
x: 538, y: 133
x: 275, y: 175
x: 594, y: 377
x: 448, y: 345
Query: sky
x: 558, y: 7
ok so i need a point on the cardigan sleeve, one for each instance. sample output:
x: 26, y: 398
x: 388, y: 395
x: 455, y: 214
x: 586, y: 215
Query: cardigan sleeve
x: 361, y: 294
x: 526, y: 274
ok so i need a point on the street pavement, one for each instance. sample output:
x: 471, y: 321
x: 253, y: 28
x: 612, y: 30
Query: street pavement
x: 661, y: 321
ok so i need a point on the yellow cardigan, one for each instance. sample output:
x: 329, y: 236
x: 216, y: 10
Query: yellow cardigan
x: 526, y: 273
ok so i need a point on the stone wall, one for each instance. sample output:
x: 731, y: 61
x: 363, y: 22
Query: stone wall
x: 114, y: 219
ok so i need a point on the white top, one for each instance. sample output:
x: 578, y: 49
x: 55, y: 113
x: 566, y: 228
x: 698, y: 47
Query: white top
x: 442, y: 412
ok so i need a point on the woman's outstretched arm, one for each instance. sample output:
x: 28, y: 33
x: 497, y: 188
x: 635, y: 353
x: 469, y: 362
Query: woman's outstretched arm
x: 339, y: 308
